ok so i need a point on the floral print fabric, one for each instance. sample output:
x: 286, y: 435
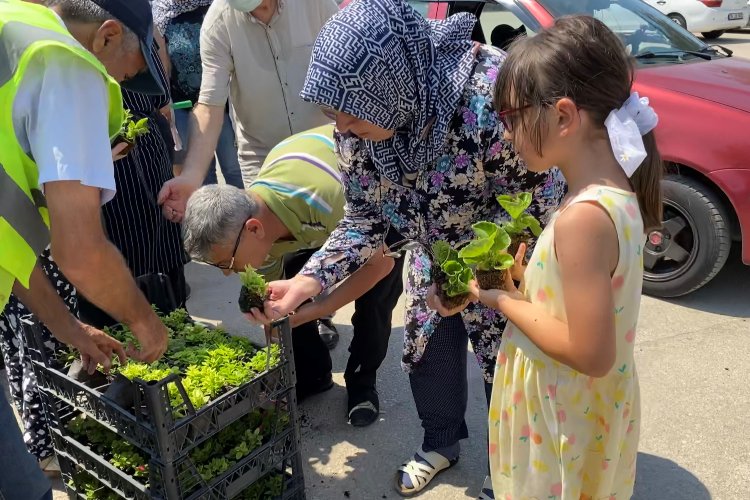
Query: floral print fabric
x: 555, y: 433
x: 459, y: 189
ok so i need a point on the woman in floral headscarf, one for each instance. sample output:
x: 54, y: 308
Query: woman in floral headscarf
x: 180, y: 21
x: 422, y: 154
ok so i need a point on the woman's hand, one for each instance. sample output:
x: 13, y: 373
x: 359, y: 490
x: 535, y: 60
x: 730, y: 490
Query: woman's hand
x: 285, y: 296
x: 518, y: 269
x: 434, y: 303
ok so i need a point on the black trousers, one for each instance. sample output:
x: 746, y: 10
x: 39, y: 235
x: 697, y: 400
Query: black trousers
x: 372, y: 330
x: 440, y: 387
x: 373, y: 313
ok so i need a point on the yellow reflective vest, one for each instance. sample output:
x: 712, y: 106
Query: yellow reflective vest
x: 25, y: 31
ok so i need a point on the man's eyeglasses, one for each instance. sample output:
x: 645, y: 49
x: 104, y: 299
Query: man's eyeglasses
x: 505, y: 116
x: 230, y: 266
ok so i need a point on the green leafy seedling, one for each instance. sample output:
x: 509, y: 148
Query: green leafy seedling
x: 451, y: 275
x: 254, y: 290
x: 520, y: 219
x: 487, y: 252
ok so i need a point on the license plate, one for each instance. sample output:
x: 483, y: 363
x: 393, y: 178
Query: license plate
x: 736, y: 16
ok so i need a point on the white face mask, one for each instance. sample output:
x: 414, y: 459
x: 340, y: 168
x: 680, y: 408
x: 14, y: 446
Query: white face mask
x: 245, y: 5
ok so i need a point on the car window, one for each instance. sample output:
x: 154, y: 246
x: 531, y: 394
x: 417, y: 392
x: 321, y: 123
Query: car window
x: 641, y: 27
x: 501, y: 26
x: 419, y: 6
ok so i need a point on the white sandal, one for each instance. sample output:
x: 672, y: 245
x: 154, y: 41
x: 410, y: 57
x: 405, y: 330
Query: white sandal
x: 487, y: 492
x: 420, y: 474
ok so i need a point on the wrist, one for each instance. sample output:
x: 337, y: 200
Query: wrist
x: 308, y: 285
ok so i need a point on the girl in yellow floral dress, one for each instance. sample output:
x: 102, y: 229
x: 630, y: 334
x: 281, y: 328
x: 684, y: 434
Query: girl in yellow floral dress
x: 564, y: 417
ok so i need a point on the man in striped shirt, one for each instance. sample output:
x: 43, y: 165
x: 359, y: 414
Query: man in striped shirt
x: 285, y: 215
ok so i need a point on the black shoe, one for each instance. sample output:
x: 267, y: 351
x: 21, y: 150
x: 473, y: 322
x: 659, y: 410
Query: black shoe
x: 364, y: 410
x: 328, y: 333
x: 322, y: 384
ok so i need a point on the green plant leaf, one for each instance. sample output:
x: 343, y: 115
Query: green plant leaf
x: 504, y: 261
x: 442, y: 251
x: 485, y: 229
x: 528, y: 220
x: 253, y: 281
x: 501, y: 240
x: 475, y: 250
x: 515, y: 204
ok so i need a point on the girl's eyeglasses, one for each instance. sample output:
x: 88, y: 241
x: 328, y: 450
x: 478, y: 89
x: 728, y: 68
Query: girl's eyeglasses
x: 505, y: 116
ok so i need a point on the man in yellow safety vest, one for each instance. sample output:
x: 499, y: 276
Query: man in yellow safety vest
x: 60, y: 105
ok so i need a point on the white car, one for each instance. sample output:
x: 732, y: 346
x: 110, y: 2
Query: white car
x: 711, y: 18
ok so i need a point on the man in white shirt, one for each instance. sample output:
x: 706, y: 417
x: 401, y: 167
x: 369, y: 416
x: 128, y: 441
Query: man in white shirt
x: 254, y: 53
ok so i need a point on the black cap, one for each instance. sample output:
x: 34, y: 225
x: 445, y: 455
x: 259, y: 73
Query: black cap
x: 136, y: 15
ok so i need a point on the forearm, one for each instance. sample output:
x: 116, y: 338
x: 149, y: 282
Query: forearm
x: 204, y: 130
x: 42, y: 300
x: 99, y: 272
x: 350, y: 290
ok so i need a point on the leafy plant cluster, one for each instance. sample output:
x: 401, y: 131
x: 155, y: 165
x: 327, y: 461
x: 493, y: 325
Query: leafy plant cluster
x: 92, y: 488
x: 254, y: 282
x: 211, y: 459
x: 109, y: 445
x: 266, y: 488
x: 487, y: 251
x: 209, y: 361
x: 132, y: 129
x: 520, y: 220
x: 456, y: 273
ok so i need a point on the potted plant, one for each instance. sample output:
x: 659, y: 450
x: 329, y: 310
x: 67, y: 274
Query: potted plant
x: 131, y: 130
x: 254, y: 290
x: 450, y: 274
x: 487, y: 252
x: 522, y: 225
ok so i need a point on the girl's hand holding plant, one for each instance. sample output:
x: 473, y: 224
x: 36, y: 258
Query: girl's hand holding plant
x: 519, y: 268
x: 502, y: 300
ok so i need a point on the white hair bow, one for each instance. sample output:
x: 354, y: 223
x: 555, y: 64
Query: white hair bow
x: 626, y: 126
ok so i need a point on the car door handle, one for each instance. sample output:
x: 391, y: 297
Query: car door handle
x: 661, y: 2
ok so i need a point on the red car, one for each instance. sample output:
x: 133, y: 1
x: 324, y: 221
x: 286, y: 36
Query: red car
x: 702, y: 96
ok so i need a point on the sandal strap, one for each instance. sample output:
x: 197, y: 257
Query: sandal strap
x: 422, y: 473
x: 364, y: 405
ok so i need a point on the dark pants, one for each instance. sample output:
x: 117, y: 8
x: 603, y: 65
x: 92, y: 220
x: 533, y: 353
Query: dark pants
x: 311, y: 357
x: 440, y: 387
x: 372, y: 317
x: 372, y: 329
x: 92, y: 315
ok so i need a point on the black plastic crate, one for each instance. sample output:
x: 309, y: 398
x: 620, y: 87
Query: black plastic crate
x: 293, y: 486
x: 182, y: 478
x: 153, y: 426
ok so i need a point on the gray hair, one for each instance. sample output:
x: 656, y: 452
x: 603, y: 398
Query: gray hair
x: 214, y: 216
x: 87, y: 12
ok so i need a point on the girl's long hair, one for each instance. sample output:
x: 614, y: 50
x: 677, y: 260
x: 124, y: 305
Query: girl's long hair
x: 583, y: 60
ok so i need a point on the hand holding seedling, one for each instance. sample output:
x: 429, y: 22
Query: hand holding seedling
x: 117, y: 151
x: 174, y: 195
x: 153, y: 338
x: 498, y: 299
x: 519, y: 268
x: 285, y: 296
x: 95, y: 346
x: 434, y: 303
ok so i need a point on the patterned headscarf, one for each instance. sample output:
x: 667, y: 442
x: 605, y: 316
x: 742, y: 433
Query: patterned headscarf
x: 380, y: 61
x: 166, y: 10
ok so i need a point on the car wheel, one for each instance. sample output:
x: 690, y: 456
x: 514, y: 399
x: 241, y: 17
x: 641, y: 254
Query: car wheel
x: 713, y: 35
x: 678, y: 19
x: 693, y: 243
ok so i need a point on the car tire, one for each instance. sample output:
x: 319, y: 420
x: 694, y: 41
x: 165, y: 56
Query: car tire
x: 713, y: 35
x: 701, y: 227
x: 678, y: 19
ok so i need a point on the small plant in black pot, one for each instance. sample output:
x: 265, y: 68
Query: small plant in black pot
x: 450, y: 274
x: 522, y: 225
x: 131, y: 130
x: 487, y: 252
x: 254, y: 290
